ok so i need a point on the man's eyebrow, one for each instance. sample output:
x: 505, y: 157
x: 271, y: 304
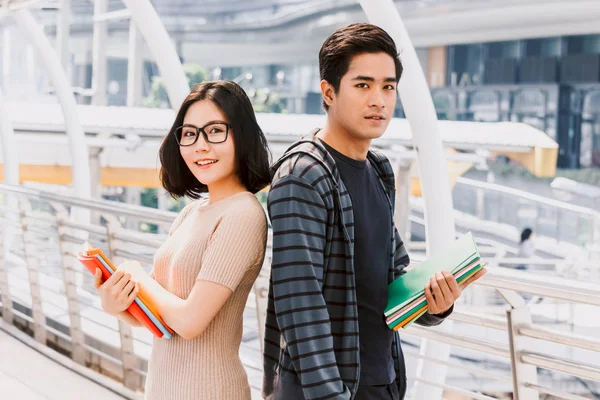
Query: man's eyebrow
x: 371, y: 79
x: 364, y: 78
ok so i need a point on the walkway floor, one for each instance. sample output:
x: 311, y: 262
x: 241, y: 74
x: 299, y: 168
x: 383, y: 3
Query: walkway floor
x: 26, y: 374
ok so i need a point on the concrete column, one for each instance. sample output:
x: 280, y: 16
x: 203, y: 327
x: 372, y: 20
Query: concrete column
x: 99, y: 63
x: 135, y: 67
x: 401, y: 217
x: 63, y: 30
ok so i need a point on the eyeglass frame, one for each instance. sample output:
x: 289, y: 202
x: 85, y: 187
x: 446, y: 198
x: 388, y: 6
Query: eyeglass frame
x: 204, y: 134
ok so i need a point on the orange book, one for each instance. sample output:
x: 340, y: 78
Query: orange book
x: 410, y: 320
x: 143, y: 298
x: 140, y: 309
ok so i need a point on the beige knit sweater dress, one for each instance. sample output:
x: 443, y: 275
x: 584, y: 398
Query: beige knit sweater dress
x: 223, y: 242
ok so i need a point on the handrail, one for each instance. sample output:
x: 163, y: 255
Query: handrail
x: 584, y: 222
x: 112, y: 207
x: 493, y: 187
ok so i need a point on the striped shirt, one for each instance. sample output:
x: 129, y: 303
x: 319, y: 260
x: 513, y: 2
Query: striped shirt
x: 311, y: 334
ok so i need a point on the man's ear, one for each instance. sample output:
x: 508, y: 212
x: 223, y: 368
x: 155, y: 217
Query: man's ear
x: 328, y: 92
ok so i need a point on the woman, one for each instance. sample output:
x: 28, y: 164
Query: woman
x: 526, y: 246
x: 203, y: 273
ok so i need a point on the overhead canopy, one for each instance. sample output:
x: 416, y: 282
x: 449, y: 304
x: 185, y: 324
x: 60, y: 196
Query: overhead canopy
x: 40, y: 132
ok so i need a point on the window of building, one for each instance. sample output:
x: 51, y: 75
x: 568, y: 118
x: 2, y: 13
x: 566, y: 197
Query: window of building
x: 584, y: 44
x: 590, y: 131
x: 547, y: 47
x: 464, y: 64
x: 508, y: 49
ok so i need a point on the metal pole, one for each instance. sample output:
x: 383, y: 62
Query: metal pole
x: 99, y: 64
x: 163, y: 50
x: 135, y: 66
x: 10, y: 157
x: 133, y: 195
x: 7, y: 305
x: 128, y: 358
x: 37, y: 312
x: 421, y: 114
x: 480, y: 213
x: 522, y: 373
x: 163, y: 205
x: 6, y: 58
x: 401, y: 216
x: 64, y: 92
x: 68, y: 261
x: 63, y: 28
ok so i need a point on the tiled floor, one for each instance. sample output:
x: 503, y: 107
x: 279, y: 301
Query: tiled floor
x: 26, y: 374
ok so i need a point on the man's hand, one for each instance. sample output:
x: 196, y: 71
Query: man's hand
x: 442, y: 290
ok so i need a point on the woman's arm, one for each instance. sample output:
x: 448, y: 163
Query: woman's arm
x: 237, y: 244
x: 190, y: 317
x: 128, y: 319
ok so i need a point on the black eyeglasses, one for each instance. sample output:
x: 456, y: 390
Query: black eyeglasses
x: 214, y: 132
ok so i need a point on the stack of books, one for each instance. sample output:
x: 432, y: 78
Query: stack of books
x: 406, y: 298
x: 141, y: 308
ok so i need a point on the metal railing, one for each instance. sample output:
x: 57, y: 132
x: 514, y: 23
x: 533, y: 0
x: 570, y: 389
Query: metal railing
x: 554, y: 219
x: 500, y: 343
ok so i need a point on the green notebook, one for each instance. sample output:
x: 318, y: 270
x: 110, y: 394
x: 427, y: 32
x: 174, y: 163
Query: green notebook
x: 410, y: 285
x: 409, y: 313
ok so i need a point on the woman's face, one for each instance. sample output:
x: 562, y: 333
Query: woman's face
x: 211, y: 163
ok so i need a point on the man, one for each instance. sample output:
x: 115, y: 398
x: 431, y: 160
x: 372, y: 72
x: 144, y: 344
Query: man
x: 335, y: 247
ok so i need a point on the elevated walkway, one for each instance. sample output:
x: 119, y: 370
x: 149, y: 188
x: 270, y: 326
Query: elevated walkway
x: 536, y: 326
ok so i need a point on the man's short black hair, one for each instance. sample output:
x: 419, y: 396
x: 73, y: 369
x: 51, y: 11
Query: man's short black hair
x: 347, y: 42
x: 252, y: 155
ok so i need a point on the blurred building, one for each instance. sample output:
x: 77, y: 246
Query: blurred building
x: 486, y: 60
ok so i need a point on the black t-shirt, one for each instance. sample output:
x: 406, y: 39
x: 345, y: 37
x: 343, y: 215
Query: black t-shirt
x: 372, y: 260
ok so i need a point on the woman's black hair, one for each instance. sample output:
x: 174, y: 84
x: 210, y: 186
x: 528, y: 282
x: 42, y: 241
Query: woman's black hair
x: 526, y: 234
x: 252, y: 156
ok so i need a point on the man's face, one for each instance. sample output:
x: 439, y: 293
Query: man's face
x: 365, y: 101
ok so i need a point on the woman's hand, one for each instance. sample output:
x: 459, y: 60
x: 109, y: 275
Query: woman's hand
x: 117, y: 293
x: 135, y: 270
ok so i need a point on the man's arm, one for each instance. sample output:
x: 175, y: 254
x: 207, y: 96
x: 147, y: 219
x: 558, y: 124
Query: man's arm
x: 299, y: 219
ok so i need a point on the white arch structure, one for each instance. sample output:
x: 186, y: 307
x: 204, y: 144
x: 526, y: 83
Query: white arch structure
x: 153, y: 31
x: 64, y: 92
x: 439, y: 222
x: 161, y: 46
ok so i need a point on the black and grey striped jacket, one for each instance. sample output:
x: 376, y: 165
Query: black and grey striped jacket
x: 311, y: 334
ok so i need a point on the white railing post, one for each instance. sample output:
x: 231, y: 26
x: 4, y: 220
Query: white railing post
x: 261, y: 294
x: 68, y: 261
x: 402, y: 214
x: 480, y: 213
x: 130, y: 376
x: 39, y: 319
x: 99, y: 59
x: 10, y: 157
x: 522, y: 374
x: 4, y: 288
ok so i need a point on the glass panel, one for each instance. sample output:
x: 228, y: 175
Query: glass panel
x: 465, y: 199
x: 509, y: 49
